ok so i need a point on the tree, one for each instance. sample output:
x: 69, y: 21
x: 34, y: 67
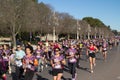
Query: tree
x: 35, y: 1
x: 115, y: 32
x: 99, y: 25
x: 93, y: 22
x: 44, y: 16
x: 17, y: 18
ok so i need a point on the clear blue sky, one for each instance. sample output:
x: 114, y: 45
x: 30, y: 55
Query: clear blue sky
x: 107, y: 11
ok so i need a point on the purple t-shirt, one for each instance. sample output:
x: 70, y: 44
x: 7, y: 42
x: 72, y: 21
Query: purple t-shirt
x: 6, y: 53
x: 1, y: 51
x: 2, y: 64
x: 27, y: 62
x: 39, y: 53
x: 57, y: 61
x: 72, y: 52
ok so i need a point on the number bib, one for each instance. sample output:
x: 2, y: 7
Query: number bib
x: 57, y: 66
x: 91, y: 52
x: 105, y: 49
x: 18, y: 63
x: 72, y: 60
x: 29, y: 66
x: 38, y: 56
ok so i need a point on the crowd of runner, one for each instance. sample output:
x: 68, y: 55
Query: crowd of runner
x: 29, y: 60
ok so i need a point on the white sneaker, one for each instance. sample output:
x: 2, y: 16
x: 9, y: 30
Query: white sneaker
x: 41, y: 68
x: 10, y: 72
x: 91, y: 71
x: 94, y: 64
x: 46, y: 65
x: 73, y: 78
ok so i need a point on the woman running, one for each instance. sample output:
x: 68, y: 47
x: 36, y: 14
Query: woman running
x: 5, y: 55
x: 92, y: 50
x: 29, y: 64
x: 72, y: 61
x: 104, y: 50
x: 3, y: 69
x: 57, y: 63
x: 38, y: 54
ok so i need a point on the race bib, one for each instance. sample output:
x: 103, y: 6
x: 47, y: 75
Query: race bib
x: 71, y: 53
x: 29, y: 66
x: 72, y: 60
x: 38, y: 56
x: 38, y: 52
x: 91, y: 52
x: 5, y: 58
x: 19, y: 63
x: 105, y: 49
x: 56, y: 60
x: 58, y: 66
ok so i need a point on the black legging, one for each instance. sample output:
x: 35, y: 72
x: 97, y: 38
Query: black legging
x: 78, y: 62
x: 19, y: 72
x: 72, y: 67
x: 29, y: 74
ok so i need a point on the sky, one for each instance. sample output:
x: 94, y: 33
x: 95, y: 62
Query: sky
x: 108, y: 11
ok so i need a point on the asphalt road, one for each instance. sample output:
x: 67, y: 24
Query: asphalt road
x: 109, y: 70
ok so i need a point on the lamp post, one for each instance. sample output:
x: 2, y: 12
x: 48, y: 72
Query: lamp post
x: 78, y: 29
x: 103, y: 35
x: 55, y: 22
x: 95, y: 33
x: 30, y: 36
x: 89, y: 30
x: 99, y: 33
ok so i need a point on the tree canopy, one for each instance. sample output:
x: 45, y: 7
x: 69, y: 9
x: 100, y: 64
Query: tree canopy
x: 94, y: 22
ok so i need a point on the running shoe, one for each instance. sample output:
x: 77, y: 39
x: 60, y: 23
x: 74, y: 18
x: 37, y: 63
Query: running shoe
x: 46, y: 65
x: 75, y: 76
x: 94, y: 64
x: 91, y: 71
x: 41, y: 68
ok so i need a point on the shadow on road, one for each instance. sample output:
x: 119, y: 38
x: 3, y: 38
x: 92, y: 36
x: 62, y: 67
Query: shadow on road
x: 99, y: 59
x: 85, y: 69
x: 66, y: 68
x: 41, y: 78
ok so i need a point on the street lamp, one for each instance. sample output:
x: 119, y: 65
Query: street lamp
x: 55, y: 22
x: 89, y: 30
x: 103, y: 35
x: 95, y: 33
x: 78, y: 29
x: 30, y: 36
x: 100, y: 33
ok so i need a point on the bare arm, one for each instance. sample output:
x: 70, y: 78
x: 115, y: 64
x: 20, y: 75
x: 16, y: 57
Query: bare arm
x: 63, y: 61
x: 52, y: 63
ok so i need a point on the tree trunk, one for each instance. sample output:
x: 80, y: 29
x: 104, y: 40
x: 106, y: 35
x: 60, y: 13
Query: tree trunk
x: 54, y: 36
x: 68, y: 37
x: 14, y: 35
x: 14, y: 40
x: 57, y: 37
